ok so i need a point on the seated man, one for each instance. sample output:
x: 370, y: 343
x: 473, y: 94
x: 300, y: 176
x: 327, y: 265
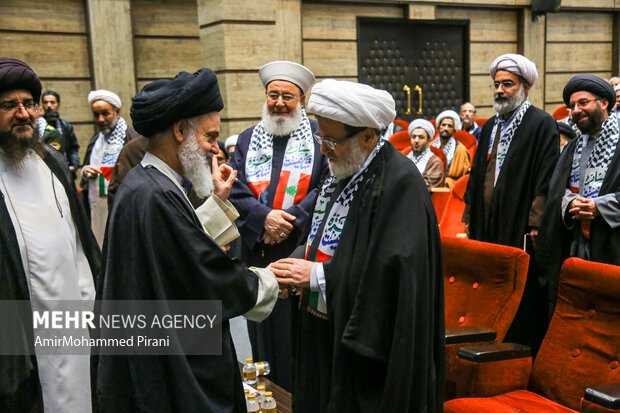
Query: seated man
x: 429, y: 164
x: 449, y: 122
x: 467, y: 114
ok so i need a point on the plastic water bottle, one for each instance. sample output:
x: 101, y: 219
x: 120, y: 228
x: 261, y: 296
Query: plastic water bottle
x: 249, y: 371
x: 260, y: 393
x: 262, y: 368
x: 269, y: 403
x: 252, y: 404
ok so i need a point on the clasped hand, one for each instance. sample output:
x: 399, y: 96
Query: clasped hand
x: 291, y: 272
x: 583, y: 209
x: 278, y: 226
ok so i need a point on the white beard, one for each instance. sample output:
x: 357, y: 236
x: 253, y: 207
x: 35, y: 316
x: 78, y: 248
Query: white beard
x: 281, y: 124
x: 350, y: 163
x: 196, y: 162
x: 511, y: 104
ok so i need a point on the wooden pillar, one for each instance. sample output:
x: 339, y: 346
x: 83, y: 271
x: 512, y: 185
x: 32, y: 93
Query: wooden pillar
x: 615, y: 62
x: 531, y: 44
x: 111, y: 49
x: 237, y: 37
x: 421, y: 11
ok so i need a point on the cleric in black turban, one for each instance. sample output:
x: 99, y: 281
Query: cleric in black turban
x: 163, y: 102
x: 590, y: 83
x: 15, y: 74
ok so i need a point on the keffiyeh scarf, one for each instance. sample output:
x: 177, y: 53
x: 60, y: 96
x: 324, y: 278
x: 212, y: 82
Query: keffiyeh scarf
x: 296, y: 165
x: 104, y: 155
x: 448, y: 150
x: 421, y: 161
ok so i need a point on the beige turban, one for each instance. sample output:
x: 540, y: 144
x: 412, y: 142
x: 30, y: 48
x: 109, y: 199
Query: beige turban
x: 105, y: 95
x: 449, y: 114
x: 422, y: 124
x: 353, y: 104
x: 292, y: 72
x: 517, y: 64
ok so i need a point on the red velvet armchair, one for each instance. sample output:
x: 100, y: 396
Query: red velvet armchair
x: 581, y: 349
x: 450, y: 223
x: 483, y: 285
x: 401, y: 141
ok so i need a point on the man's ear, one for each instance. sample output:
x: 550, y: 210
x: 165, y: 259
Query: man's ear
x: 118, y: 111
x: 604, y: 104
x: 179, y: 130
x: 526, y: 87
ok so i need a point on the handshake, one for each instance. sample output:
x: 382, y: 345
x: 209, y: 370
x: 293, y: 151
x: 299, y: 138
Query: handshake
x: 291, y: 274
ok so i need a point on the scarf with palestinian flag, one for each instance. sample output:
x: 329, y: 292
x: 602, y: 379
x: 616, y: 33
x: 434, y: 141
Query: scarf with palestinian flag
x: 296, y: 165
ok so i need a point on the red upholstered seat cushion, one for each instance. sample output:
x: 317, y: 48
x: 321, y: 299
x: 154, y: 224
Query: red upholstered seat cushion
x: 450, y: 223
x: 521, y: 401
x: 401, y: 141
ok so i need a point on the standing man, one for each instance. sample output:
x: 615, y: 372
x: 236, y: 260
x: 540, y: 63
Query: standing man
x: 429, y: 164
x: 47, y: 251
x: 582, y: 218
x: 457, y: 154
x: 280, y: 169
x: 509, y: 180
x: 468, y: 114
x: 371, y: 324
x: 152, y: 217
x: 51, y: 103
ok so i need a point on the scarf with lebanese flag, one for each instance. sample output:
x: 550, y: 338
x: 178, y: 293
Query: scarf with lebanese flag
x: 296, y: 166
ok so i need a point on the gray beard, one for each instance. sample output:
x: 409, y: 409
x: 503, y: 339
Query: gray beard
x: 195, y: 163
x: 511, y: 104
x: 281, y: 125
x: 350, y: 163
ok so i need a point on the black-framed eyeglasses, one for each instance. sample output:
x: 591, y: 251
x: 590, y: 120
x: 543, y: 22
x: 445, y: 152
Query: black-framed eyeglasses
x: 332, y: 144
x: 581, y: 103
x: 287, y: 97
x: 12, y: 107
x: 507, y: 84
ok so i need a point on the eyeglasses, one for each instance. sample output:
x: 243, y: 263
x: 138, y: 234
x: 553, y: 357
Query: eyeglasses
x: 287, y: 97
x: 332, y: 144
x: 507, y: 84
x: 581, y: 104
x: 12, y: 107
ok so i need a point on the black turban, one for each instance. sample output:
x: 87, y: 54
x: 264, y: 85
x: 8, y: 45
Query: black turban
x: 165, y: 101
x: 590, y: 83
x: 567, y: 130
x: 15, y: 74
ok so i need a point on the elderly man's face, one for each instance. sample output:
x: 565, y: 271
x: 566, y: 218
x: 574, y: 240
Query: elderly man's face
x: 50, y: 104
x: 509, y: 92
x: 586, y: 111
x: 419, y: 141
x: 617, y: 98
x: 446, y: 128
x: 17, y: 113
x: 283, y: 97
x: 468, y: 112
x: 106, y: 115
x: 207, y: 132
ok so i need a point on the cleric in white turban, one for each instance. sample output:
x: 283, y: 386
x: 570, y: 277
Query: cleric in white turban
x: 451, y: 115
x: 424, y: 125
x: 105, y: 95
x: 517, y: 64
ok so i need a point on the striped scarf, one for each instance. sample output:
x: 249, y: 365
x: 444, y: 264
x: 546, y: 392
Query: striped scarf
x: 448, y: 150
x: 421, y: 161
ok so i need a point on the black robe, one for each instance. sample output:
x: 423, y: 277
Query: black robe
x: 382, y: 349
x: 554, y: 239
x: 525, y: 174
x: 272, y: 339
x: 156, y: 249
x: 19, y: 381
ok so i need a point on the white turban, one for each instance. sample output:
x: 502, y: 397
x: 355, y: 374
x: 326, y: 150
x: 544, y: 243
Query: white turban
x: 449, y: 114
x: 231, y: 141
x: 292, y: 72
x: 353, y: 104
x: 517, y: 64
x: 102, y: 94
x: 422, y: 124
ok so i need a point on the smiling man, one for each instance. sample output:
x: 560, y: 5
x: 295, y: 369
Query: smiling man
x: 371, y: 334
x: 280, y: 169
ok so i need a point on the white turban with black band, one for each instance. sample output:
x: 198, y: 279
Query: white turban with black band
x: 422, y: 124
x: 516, y: 64
x: 353, y: 104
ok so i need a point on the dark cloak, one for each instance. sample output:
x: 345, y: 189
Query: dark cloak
x: 554, y: 239
x: 156, y: 249
x: 382, y: 349
x: 525, y: 174
x: 19, y: 381
x: 271, y: 339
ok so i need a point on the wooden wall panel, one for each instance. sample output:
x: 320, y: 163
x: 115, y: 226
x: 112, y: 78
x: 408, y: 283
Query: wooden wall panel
x: 165, y: 57
x: 235, y: 127
x: 339, y: 21
x: 485, y: 24
x: 50, y: 55
x: 62, y: 16
x: 243, y: 95
x: 481, y: 90
x: 556, y: 82
x: 83, y: 132
x: 580, y: 57
x: 164, y: 18
x: 73, y: 98
x: 331, y: 59
x: 589, y: 4
x: 579, y: 26
x: 212, y: 11
x: 483, y: 54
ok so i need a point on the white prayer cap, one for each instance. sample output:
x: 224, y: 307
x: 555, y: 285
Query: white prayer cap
x: 353, y: 104
x: 422, y: 124
x: 517, y: 64
x: 449, y: 114
x: 102, y: 94
x: 292, y: 72
x: 231, y: 141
